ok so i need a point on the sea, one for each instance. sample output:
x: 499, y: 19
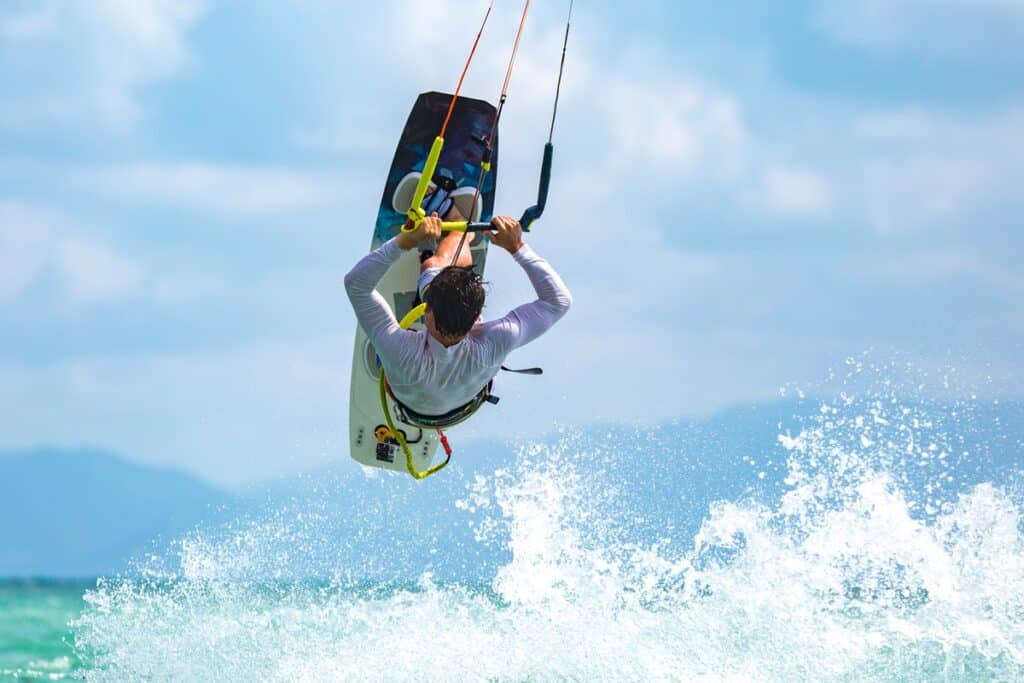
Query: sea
x: 873, y: 535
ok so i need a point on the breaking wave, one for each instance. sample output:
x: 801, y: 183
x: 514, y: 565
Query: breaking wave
x: 868, y: 537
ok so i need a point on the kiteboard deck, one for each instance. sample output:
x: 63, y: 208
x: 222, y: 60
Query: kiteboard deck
x: 372, y: 443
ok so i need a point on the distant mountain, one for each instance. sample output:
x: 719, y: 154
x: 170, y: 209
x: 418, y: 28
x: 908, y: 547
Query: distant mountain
x: 87, y: 513
x: 83, y: 513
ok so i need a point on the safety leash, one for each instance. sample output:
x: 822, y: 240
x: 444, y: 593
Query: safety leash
x: 407, y: 321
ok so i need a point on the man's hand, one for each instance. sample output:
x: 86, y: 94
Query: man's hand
x: 508, y: 234
x: 429, y: 229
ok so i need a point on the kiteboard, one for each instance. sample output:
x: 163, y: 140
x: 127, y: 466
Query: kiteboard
x: 372, y: 442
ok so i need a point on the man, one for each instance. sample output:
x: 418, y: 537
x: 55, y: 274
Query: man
x: 444, y: 367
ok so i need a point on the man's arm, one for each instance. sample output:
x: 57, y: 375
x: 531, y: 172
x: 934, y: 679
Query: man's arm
x: 525, y: 323
x: 372, y: 311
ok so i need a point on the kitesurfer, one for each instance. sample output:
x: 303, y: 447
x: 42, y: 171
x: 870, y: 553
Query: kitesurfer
x: 437, y: 370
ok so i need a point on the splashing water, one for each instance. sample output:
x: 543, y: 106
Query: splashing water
x: 879, y: 539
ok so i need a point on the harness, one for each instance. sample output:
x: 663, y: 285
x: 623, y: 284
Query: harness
x: 464, y: 412
x: 446, y: 420
x: 435, y: 422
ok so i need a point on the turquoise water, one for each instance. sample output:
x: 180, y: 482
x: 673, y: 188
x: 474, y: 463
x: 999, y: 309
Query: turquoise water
x: 36, y: 643
x: 869, y: 538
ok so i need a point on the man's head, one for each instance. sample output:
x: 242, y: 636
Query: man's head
x: 455, y: 299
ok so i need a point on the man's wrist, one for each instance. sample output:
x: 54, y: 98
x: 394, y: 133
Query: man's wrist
x: 405, y: 241
x: 515, y: 248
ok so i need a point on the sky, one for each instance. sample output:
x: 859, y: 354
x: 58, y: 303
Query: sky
x: 744, y: 195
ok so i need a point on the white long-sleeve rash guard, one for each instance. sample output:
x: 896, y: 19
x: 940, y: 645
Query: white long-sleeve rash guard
x: 424, y: 374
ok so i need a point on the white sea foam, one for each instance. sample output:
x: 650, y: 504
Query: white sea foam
x: 868, y: 563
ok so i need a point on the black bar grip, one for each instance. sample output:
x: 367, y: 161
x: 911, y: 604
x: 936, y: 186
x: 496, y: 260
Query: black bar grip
x: 535, y: 211
x: 478, y: 227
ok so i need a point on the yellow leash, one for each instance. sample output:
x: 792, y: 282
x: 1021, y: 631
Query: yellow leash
x: 410, y: 317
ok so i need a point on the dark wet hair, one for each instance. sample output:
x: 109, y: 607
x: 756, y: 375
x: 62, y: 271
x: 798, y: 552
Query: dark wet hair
x: 456, y: 298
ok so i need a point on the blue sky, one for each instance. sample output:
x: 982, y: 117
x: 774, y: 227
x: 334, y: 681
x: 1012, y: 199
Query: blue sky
x: 743, y: 197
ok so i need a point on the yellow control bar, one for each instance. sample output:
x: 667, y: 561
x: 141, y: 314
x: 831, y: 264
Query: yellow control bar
x: 416, y: 213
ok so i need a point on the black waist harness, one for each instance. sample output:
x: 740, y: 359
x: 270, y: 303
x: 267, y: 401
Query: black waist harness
x: 449, y: 419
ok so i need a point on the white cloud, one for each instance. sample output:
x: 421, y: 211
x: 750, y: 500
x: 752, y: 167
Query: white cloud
x: 373, y: 123
x: 928, y: 266
x: 224, y: 188
x: 24, y: 243
x: 231, y: 415
x: 915, y: 194
x: 83, y: 63
x: 938, y: 29
x: 674, y: 123
x: 791, y: 191
x: 664, y: 133
x: 914, y: 170
x: 28, y: 24
x: 92, y: 272
x: 36, y: 249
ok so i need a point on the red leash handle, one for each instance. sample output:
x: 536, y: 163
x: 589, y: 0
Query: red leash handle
x: 444, y: 443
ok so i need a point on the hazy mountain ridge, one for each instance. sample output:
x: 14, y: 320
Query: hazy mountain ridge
x: 83, y: 512
x: 120, y: 509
